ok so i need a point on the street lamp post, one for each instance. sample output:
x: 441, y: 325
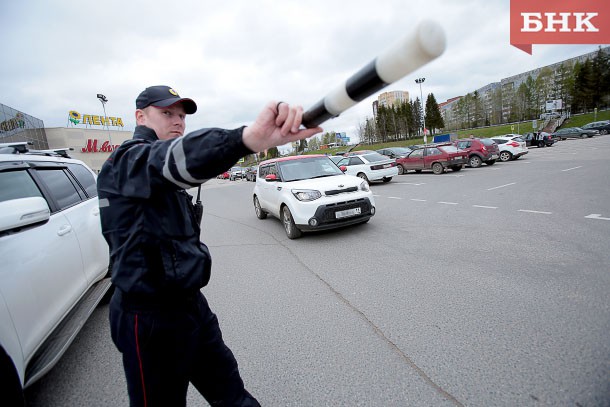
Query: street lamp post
x: 419, y: 81
x: 103, y: 100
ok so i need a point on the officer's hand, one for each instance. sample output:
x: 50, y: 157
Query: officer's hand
x: 277, y: 124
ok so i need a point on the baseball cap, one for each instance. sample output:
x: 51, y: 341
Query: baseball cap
x: 163, y: 96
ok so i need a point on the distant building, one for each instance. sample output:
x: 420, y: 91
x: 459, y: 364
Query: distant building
x: 388, y: 99
x: 508, y: 87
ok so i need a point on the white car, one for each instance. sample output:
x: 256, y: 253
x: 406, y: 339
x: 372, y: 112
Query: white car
x: 310, y: 193
x: 54, y: 261
x: 369, y: 165
x: 511, y: 146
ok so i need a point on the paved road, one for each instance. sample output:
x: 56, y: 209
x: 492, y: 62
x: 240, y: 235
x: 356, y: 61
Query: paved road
x: 487, y: 287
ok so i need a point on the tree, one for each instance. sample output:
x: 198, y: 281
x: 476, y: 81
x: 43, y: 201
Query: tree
x: 434, y: 119
x: 273, y: 152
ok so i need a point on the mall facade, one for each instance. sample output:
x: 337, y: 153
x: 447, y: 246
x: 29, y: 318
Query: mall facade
x: 90, y: 138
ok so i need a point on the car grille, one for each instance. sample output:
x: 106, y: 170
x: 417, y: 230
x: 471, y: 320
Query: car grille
x: 340, y: 191
x: 327, y: 212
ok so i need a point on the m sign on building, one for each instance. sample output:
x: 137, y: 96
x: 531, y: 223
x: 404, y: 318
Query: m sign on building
x: 559, y: 22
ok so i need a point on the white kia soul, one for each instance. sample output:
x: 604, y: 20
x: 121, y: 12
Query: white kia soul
x: 309, y: 193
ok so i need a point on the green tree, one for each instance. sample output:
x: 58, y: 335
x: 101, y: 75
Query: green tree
x: 434, y: 119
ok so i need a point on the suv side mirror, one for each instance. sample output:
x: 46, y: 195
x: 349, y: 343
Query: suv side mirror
x: 271, y: 177
x: 343, y: 168
x: 17, y: 213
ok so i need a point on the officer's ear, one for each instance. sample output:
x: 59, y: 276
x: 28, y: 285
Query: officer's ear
x: 140, y: 119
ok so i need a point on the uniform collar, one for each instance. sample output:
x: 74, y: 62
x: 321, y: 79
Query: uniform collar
x: 145, y: 133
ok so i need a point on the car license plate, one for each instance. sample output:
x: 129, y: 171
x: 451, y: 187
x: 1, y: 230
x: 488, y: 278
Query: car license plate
x: 347, y: 213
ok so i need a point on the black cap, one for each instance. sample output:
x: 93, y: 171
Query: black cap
x: 163, y: 96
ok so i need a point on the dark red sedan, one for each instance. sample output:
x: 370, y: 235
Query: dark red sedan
x: 433, y: 157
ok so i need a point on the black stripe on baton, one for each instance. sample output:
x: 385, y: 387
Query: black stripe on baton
x: 316, y: 115
x: 364, y: 83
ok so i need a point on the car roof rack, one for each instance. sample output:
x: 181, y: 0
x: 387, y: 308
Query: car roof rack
x: 21, y: 147
x: 62, y: 152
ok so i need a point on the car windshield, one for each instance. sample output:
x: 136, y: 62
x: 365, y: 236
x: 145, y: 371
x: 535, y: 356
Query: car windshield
x: 374, y: 157
x: 306, y: 168
x: 448, y: 149
x: 487, y: 141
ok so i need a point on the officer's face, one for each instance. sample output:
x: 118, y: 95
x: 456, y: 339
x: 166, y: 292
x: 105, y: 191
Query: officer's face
x: 168, y: 122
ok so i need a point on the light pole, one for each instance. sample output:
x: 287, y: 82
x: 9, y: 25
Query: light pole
x: 103, y: 100
x: 419, y: 81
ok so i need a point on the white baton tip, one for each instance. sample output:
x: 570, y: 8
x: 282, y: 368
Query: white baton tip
x: 426, y: 42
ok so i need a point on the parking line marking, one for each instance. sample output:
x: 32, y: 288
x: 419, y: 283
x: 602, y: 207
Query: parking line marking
x: 570, y: 169
x: 501, y: 186
x: 596, y: 216
x: 410, y: 183
x: 447, y: 203
x: 419, y: 200
x: 529, y: 211
x: 486, y: 207
x: 394, y: 197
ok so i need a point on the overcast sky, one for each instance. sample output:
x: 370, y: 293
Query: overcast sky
x: 232, y: 57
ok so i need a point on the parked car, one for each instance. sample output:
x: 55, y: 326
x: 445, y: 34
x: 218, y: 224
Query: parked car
x: 236, y: 173
x: 539, y: 139
x: 395, y: 152
x: 310, y: 193
x: 55, y: 261
x: 602, y: 126
x: 480, y: 150
x: 511, y: 147
x: 224, y: 175
x: 575, y: 132
x: 369, y: 165
x: 251, y: 173
x: 433, y: 157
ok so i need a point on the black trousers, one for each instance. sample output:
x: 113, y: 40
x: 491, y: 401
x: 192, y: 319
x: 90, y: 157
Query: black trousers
x: 168, y: 343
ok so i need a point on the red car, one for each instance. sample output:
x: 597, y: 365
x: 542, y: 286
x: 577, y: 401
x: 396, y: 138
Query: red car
x: 433, y: 157
x: 224, y: 175
x: 480, y: 150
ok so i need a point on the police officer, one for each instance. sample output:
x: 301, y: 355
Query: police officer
x: 159, y: 319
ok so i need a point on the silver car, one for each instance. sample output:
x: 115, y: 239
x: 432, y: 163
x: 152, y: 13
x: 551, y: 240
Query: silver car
x: 574, y: 132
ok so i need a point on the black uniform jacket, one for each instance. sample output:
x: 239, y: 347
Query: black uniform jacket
x: 146, y: 214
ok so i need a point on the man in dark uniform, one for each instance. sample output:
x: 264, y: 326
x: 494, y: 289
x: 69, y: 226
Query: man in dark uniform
x: 159, y: 319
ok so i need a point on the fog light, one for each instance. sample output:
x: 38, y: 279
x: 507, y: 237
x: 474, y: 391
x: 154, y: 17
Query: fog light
x: 313, y: 222
x: 372, y: 210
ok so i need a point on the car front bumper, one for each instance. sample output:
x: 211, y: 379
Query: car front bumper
x: 337, y: 214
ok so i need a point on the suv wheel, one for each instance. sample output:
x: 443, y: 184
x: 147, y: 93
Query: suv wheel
x: 401, y: 169
x: 291, y: 229
x: 260, y: 213
x: 12, y: 393
x: 475, y: 161
x: 437, y: 168
x: 505, y: 156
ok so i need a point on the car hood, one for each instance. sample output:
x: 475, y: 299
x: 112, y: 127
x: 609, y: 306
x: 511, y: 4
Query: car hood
x: 327, y: 183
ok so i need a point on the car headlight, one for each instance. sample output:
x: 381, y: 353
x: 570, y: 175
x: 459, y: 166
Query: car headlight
x: 306, y: 194
x: 364, y: 186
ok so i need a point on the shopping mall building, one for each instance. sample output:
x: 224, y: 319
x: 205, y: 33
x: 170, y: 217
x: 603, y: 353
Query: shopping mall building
x: 91, y: 138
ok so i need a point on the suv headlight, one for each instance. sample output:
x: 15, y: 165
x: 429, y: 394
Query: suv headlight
x: 364, y: 186
x: 306, y: 194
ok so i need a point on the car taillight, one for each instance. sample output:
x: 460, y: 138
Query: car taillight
x: 513, y: 144
x: 483, y: 148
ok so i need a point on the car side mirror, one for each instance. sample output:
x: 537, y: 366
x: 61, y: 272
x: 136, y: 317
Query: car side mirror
x: 271, y: 177
x: 343, y: 168
x: 17, y: 213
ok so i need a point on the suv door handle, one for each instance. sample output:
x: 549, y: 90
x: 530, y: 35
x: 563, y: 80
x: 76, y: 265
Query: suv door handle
x: 64, y: 230
x: 279, y: 188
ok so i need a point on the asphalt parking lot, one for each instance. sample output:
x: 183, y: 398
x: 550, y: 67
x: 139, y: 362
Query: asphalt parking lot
x: 486, y: 287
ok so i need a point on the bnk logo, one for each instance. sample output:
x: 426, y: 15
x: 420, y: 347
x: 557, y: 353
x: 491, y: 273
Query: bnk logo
x: 559, y: 22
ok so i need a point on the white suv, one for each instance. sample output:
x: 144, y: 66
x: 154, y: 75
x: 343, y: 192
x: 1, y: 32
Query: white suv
x: 511, y: 146
x: 54, y: 260
x: 309, y: 192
